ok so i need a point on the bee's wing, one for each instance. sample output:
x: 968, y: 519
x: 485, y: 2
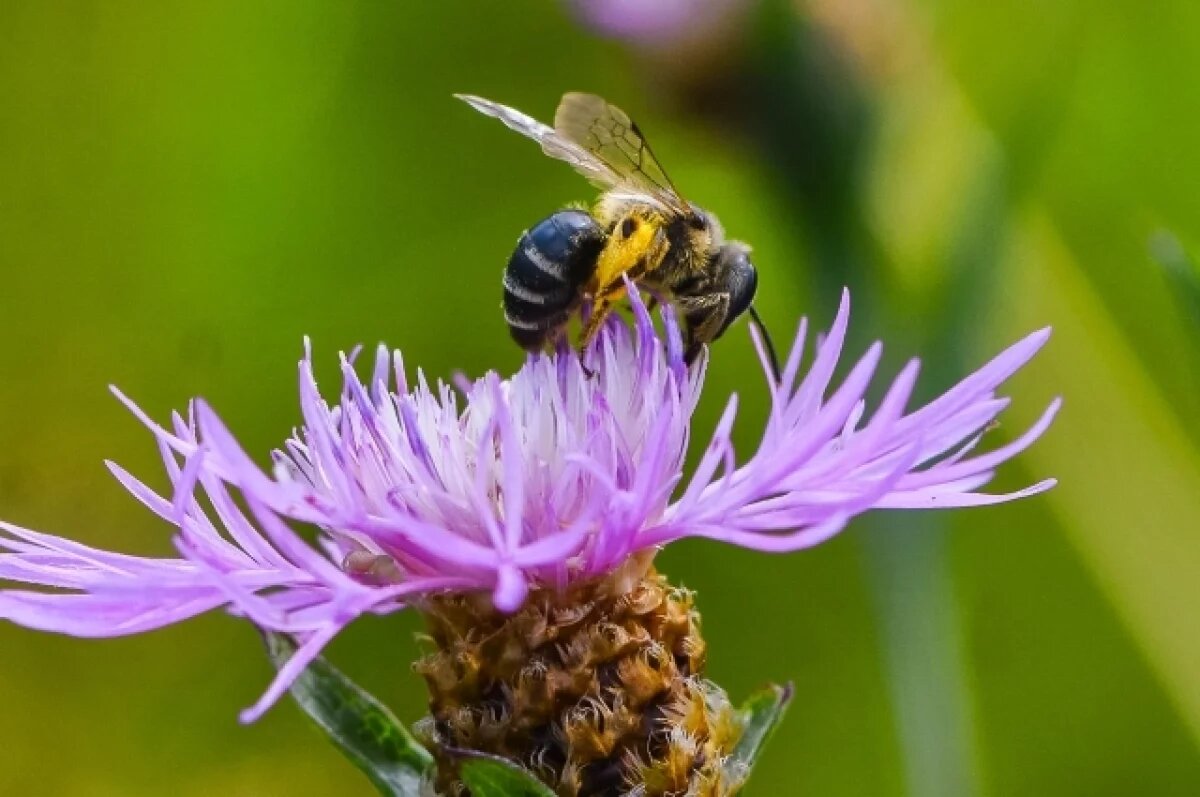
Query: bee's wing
x: 553, y: 142
x: 608, y: 133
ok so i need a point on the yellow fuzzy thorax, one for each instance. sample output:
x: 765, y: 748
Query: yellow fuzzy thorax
x: 644, y: 249
x: 598, y: 691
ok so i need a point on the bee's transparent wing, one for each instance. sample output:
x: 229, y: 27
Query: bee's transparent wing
x: 608, y: 133
x: 553, y: 142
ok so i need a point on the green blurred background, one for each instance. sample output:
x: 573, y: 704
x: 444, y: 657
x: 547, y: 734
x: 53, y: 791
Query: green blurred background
x: 187, y: 189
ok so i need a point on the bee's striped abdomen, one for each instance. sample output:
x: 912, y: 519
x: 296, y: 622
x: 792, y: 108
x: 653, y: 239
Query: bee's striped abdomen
x: 546, y: 274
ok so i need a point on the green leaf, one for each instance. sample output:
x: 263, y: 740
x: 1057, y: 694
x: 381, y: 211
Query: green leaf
x: 361, y: 727
x: 760, y: 714
x: 490, y: 776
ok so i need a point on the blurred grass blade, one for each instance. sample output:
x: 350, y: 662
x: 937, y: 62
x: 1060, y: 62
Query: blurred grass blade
x: 1180, y: 270
x: 760, y: 715
x: 361, y: 727
x: 489, y: 776
x: 1127, y: 497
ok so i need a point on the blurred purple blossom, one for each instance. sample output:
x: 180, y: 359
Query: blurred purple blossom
x: 552, y: 476
x: 653, y: 21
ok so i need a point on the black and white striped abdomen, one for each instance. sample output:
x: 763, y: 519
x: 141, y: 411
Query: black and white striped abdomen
x: 546, y: 274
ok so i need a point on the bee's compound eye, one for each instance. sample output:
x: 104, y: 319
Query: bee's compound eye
x: 628, y: 227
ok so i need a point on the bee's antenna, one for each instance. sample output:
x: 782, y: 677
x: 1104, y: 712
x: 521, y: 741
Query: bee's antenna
x: 766, y: 337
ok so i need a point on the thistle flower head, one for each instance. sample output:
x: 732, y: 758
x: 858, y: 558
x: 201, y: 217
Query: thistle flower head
x: 547, y: 482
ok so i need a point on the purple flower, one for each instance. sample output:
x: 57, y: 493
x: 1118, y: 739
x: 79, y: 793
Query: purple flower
x: 554, y: 476
x: 653, y: 21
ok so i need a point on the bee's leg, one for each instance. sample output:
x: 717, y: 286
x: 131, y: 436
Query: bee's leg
x: 558, y: 341
x: 600, y: 310
x: 601, y: 307
x: 704, y: 317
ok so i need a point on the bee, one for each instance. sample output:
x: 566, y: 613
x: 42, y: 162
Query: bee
x: 641, y: 228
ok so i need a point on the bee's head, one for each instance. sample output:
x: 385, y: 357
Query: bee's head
x: 733, y: 272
